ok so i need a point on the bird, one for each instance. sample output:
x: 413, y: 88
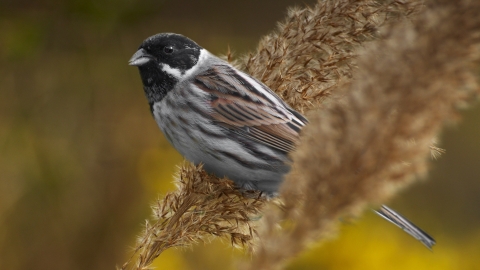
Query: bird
x: 227, y: 120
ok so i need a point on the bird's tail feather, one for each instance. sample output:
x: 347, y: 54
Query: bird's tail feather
x: 410, y: 228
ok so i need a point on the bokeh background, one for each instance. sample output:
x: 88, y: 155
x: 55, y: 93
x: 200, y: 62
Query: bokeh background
x: 81, y: 158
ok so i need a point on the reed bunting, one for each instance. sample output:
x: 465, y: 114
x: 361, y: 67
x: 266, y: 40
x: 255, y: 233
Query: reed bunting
x: 216, y: 115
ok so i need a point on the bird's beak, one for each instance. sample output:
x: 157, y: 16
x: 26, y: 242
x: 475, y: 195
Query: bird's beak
x: 140, y: 58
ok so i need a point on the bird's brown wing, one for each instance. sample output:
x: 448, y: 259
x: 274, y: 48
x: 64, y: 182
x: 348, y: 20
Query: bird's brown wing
x: 249, y: 108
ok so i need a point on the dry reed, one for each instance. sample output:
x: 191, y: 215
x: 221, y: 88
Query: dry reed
x: 360, y: 150
x: 202, y: 205
x: 391, y: 97
x: 314, y: 49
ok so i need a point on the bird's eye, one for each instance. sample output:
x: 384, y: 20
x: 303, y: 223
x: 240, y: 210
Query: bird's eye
x: 168, y: 49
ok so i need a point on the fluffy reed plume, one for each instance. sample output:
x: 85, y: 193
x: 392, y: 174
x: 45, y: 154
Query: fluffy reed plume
x: 372, y: 137
x: 202, y: 205
x: 314, y: 49
x: 359, y: 150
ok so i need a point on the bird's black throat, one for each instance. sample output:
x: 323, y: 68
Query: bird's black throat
x: 156, y: 83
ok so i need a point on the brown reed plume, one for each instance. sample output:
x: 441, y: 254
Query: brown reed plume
x: 373, y: 136
x: 358, y: 151
x: 314, y: 49
x: 202, y: 205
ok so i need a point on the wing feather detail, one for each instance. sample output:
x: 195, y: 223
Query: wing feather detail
x: 249, y: 108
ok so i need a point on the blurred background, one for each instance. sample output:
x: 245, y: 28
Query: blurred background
x: 81, y: 158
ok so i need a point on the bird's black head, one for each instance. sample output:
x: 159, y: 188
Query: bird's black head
x: 162, y: 60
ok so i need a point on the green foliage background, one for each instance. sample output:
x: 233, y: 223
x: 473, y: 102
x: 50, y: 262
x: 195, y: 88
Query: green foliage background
x: 81, y: 158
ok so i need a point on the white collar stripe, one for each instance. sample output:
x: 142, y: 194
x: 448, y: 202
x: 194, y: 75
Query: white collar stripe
x: 201, y: 58
x: 172, y: 71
